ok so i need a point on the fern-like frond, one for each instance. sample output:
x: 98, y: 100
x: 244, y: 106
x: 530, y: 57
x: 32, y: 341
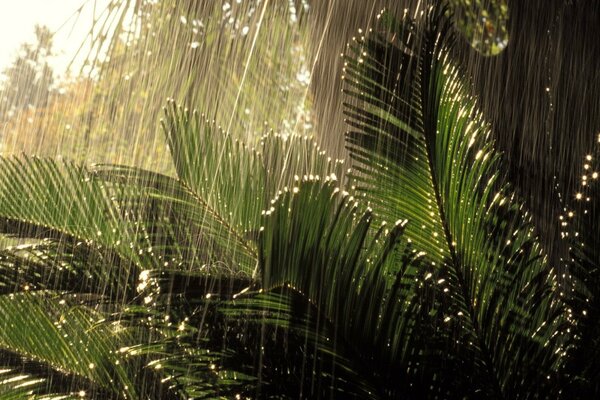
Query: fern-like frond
x: 234, y: 181
x: 185, y: 232
x: 47, y: 198
x: 234, y: 178
x: 61, y: 333
x: 222, y: 171
x: 340, y: 292
x: 422, y: 151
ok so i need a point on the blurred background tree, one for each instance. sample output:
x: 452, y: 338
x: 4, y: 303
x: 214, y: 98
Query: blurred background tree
x: 28, y: 82
x: 484, y: 23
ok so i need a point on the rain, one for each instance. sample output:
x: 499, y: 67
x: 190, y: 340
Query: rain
x: 300, y: 199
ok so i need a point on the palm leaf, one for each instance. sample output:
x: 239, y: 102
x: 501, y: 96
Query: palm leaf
x: 124, y: 214
x: 233, y: 179
x: 49, y: 198
x: 317, y: 277
x: 63, y: 335
x: 215, y: 167
x: 422, y: 151
x: 184, y: 230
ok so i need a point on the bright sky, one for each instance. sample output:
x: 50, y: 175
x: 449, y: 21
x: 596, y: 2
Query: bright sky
x: 18, y: 18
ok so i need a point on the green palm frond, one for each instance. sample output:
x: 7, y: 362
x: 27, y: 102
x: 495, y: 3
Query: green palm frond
x: 215, y: 166
x: 422, y: 152
x: 184, y: 230
x: 327, y: 283
x: 140, y: 214
x: 47, y: 198
x: 57, y: 331
x: 88, y: 217
x: 14, y: 385
x: 235, y: 180
x: 134, y: 224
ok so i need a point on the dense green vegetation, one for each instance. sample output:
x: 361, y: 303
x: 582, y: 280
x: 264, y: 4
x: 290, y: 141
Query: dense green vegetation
x: 263, y: 268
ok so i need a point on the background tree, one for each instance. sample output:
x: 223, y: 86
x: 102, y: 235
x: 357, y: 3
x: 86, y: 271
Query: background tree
x: 29, y: 80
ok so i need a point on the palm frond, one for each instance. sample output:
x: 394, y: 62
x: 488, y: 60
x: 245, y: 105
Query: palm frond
x: 142, y: 215
x: 64, y: 335
x: 184, y: 230
x: 215, y: 166
x: 233, y: 179
x: 422, y: 152
x: 327, y: 284
x: 230, y: 179
x: 48, y: 198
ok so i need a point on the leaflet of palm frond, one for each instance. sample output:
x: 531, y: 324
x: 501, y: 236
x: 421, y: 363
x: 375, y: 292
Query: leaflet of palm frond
x: 422, y: 152
x: 215, y: 166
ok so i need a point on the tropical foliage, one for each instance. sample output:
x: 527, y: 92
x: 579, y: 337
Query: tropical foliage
x: 266, y: 269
